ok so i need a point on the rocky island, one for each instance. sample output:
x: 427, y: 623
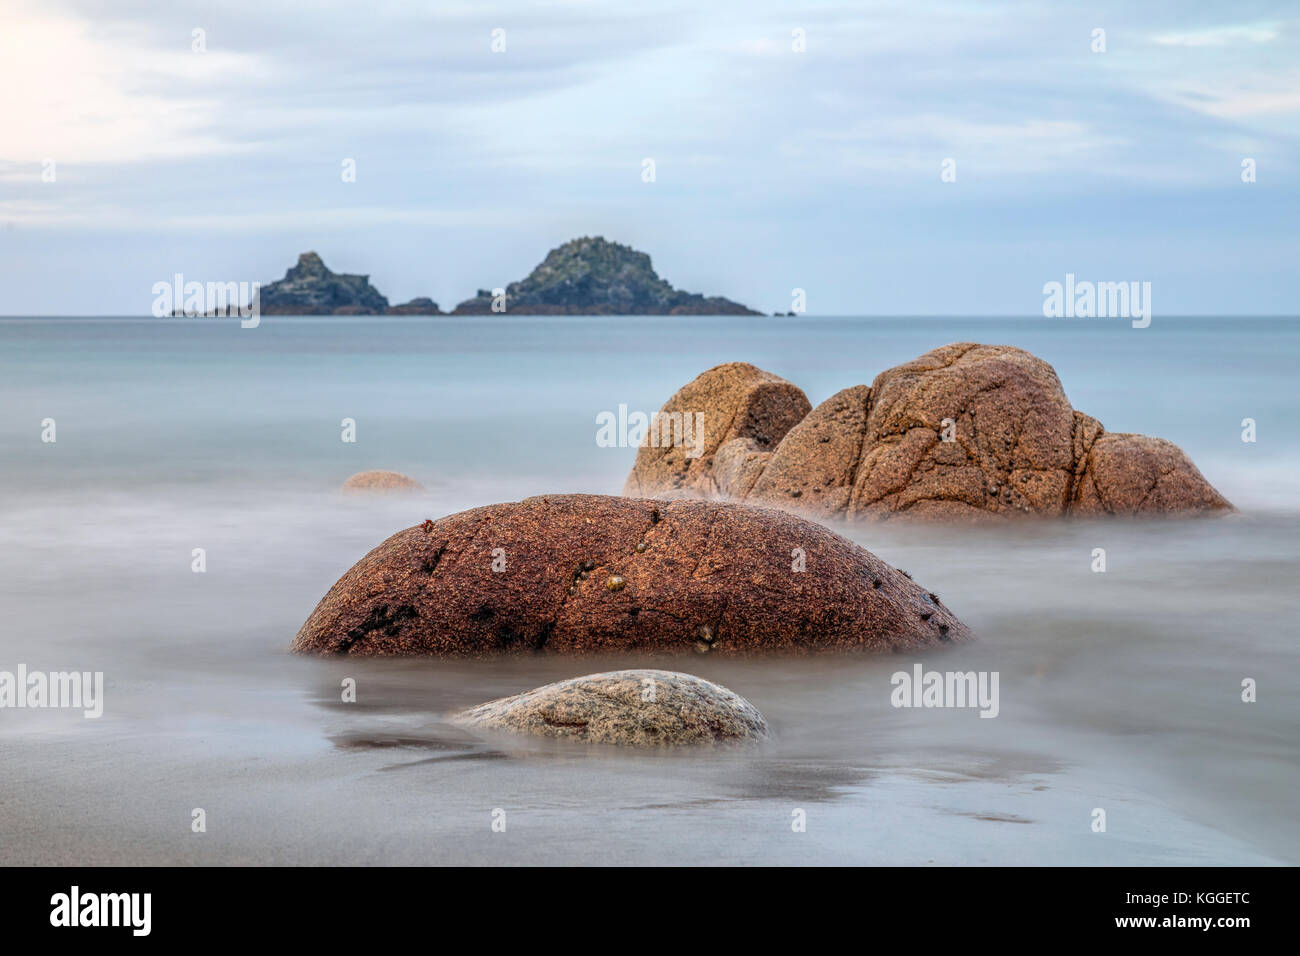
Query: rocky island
x: 593, y: 276
x: 310, y: 288
x: 587, y: 276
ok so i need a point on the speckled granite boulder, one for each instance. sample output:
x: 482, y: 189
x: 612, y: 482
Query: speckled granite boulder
x: 381, y: 482
x: 591, y: 573
x: 736, y: 403
x: 965, y: 432
x: 1137, y: 474
x: 818, y: 458
x: 633, y: 708
x: 1012, y: 438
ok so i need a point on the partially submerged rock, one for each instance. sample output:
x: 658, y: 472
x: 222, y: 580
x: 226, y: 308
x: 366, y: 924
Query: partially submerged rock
x: 692, y: 576
x: 816, y: 461
x: 381, y: 482
x: 1131, y: 473
x: 964, y: 432
x: 734, y: 416
x: 632, y: 708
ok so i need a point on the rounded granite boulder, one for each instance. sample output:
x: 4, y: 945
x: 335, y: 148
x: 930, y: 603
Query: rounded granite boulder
x: 631, y: 708
x: 966, y: 432
x: 1126, y: 474
x: 381, y: 483
x: 592, y: 573
x: 734, y: 413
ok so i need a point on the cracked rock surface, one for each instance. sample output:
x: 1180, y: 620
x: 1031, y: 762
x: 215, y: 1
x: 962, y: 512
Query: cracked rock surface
x: 744, y: 413
x: 631, y: 708
x: 965, y: 432
x: 592, y: 573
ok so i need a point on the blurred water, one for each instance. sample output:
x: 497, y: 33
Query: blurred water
x: 1118, y: 690
x: 512, y: 400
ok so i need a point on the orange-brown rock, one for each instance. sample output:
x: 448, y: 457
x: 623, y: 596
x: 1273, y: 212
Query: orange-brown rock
x: 1010, y: 428
x: 814, y: 466
x: 591, y: 573
x: 965, y: 432
x: 1137, y: 474
x: 732, y: 403
x: 381, y: 482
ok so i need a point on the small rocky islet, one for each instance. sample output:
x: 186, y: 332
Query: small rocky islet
x: 581, y: 574
x: 964, y: 433
x: 593, y: 276
x: 630, y: 708
x: 311, y: 288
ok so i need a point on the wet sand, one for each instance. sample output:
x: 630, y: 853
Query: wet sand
x: 1118, y: 690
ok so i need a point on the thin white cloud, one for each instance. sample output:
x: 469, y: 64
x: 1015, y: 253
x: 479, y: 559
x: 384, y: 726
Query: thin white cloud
x: 113, y: 217
x: 762, y: 152
x: 73, y: 97
x: 999, y: 149
x: 1245, y: 104
x: 1221, y: 36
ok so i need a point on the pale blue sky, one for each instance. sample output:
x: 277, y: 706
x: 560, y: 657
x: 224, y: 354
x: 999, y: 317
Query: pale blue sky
x: 775, y: 169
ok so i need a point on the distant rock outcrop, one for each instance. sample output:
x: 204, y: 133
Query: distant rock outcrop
x: 421, y: 306
x: 964, y: 432
x: 310, y: 288
x: 591, y: 276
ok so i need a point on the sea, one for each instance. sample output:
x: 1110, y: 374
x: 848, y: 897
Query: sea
x: 1148, y: 712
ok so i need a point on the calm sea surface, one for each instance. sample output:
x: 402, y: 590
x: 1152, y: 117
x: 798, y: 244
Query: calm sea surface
x: 1119, y: 691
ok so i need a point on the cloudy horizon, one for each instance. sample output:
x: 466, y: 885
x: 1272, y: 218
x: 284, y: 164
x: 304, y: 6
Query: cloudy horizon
x: 135, y: 148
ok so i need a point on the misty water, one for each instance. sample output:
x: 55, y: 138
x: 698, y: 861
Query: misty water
x: 1119, y: 691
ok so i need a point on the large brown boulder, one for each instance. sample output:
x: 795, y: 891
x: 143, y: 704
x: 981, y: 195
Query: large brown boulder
x: 587, y: 573
x: 815, y: 466
x: 965, y: 432
x: 739, y: 407
x: 1009, y: 428
x: 633, y: 708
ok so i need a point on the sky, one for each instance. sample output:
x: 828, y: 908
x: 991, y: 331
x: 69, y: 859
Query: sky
x: 133, y: 148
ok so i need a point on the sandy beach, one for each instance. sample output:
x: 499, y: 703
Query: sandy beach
x: 1118, y: 691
